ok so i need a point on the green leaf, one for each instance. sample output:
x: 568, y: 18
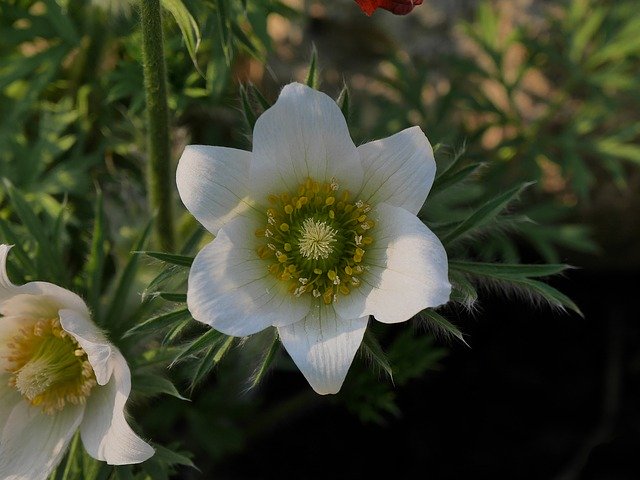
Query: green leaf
x: 441, y: 325
x: 373, y: 351
x: 61, y: 23
x: 159, y: 322
x: 255, y: 92
x: 445, y: 181
x: 116, y: 316
x: 95, y: 264
x: 249, y: 114
x: 152, y: 385
x: 484, y: 214
x: 265, y: 361
x: 463, y: 290
x: 211, y: 358
x: 172, y: 258
x: 49, y: 258
x: 12, y: 239
x: 344, y: 103
x: 246, y: 42
x: 458, y: 155
x: 518, y: 278
x: 549, y: 294
x: 312, y: 75
x: 210, y: 339
x: 170, y: 457
x: 173, y: 297
x: 188, y: 26
x: 224, y: 30
x: 508, y: 271
x: 615, y: 148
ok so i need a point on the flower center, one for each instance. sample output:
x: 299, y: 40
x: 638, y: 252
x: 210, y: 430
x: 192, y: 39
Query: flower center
x: 315, y: 240
x: 48, y: 367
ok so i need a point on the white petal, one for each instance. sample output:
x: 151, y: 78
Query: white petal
x: 105, y: 433
x: 303, y: 135
x: 50, y: 299
x: 213, y: 184
x: 407, y: 270
x: 33, y: 443
x: 9, y: 327
x: 323, y: 346
x: 399, y: 170
x: 99, y: 350
x: 231, y: 289
x: 9, y: 398
x: 7, y: 288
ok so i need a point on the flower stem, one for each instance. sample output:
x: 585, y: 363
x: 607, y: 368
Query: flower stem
x: 158, y: 144
x: 71, y: 460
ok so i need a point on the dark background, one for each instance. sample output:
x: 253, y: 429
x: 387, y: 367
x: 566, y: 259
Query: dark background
x: 539, y: 395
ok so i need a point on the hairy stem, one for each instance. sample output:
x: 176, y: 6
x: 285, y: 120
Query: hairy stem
x: 159, y: 182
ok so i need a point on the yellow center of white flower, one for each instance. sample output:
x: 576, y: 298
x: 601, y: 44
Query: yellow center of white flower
x: 48, y: 367
x: 315, y: 240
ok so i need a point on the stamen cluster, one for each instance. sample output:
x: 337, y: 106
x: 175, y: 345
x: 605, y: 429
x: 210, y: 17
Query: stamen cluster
x: 315, y: 240
x: 48, y: 366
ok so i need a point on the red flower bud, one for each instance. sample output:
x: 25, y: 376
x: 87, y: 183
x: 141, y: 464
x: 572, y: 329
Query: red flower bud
x: 397, y: 7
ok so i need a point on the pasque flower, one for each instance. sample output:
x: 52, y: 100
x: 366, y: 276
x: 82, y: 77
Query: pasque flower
x: 313, y: 235
x: 58, y: 373
x: 397, y: 7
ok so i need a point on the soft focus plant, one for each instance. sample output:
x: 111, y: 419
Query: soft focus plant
x: 73, y: 202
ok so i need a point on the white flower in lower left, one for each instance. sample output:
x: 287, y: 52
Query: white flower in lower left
x: 58, y: 373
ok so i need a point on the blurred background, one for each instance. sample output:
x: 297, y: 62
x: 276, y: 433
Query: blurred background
x: 546, y: 91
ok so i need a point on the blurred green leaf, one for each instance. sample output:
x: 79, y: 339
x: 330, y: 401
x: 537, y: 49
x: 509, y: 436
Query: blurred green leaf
x: 188, y: 27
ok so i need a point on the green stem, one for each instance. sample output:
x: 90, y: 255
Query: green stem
x: 158, y: 143
x: 71, y: 457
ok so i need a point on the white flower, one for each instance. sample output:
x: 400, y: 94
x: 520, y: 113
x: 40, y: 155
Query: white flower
x: 348, y: 243
x: 58, y: 373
